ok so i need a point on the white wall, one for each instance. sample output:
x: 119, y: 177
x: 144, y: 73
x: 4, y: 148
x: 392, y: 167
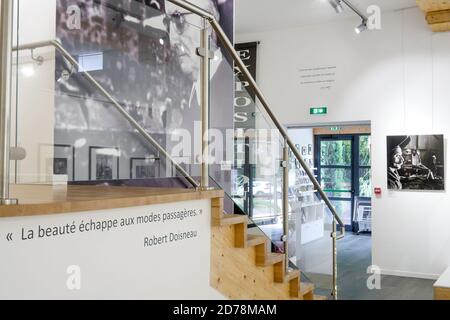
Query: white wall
x: 112, y: 264
x: 303, y: 137
x: 398, y: 79
x: 35, y: 88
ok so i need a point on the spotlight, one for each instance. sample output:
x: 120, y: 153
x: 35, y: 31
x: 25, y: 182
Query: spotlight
x: 362, y: 27
x: 337, y: 5
x: 28, y: 70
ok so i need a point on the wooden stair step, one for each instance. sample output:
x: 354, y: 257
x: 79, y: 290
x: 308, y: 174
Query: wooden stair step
x: 271, y: 259
x: 283, y: 277
x: 306, y: 287
x: 307, y: 290
x: 232, y: 219
x: 291, y: 275
x: 254, y: 240
x: 317, y: 297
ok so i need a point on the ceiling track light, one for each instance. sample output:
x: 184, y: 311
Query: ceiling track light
x: 337, y: 6
x: 362, y: 27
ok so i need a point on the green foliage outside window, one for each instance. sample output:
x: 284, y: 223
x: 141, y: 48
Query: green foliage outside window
x: 336, y: 153
x: 339, y: 153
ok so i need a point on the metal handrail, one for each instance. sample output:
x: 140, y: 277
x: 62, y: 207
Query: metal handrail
x: 229, y: 47
x: 119, y: 108
x: 252, y: 83
x: 6, y: 23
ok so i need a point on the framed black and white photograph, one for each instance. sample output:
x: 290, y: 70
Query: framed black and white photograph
x: 57, y: 160
x: 416, y: 162
x: 104, y: 163
x: 310, y: 149
x: 304, y: 151
x: 147, y: 52
x: 60, y: 166
x: 64, y: 161
x: 145, y: 168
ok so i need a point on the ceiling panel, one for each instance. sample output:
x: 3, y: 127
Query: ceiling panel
x: 263, y: 15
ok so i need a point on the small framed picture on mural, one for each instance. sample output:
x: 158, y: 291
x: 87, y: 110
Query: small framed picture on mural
x: 104, y: 163
x: 145, y: 168
x: 64, y: 160
x: 56, y: 162
x: 304, y: 151
x: 60, y: 166
x: 415, y: 162
x: 310, y: 149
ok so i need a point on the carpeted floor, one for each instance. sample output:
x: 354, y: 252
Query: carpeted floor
x: 355, y: 256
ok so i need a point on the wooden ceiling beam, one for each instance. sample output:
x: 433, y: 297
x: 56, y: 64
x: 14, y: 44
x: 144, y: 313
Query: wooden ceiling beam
x: 435, y: 17
x: 437, y: 13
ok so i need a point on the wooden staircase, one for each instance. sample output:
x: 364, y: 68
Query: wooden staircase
x: 243, y: 268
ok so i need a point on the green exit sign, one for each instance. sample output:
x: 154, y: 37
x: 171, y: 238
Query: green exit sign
x: 319, y: 111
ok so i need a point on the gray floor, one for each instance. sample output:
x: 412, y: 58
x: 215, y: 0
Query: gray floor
x: 354, y: 258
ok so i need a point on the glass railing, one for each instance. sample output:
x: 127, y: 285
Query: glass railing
x: 144, y: 66
x: 258, y: 190
x: 257, y: 171
x: 310, y: 229
x: 118, y: 89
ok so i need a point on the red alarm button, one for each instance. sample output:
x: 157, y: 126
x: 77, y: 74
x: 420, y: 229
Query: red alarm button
x: 377, y: 191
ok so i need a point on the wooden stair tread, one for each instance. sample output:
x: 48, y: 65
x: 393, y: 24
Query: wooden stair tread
x: 254, y: 240
x: 291, y: 275
x: 232, y: 219
x: 306, y: 287
x: 228, y: 243
x: 271, y: 259
x: 284, y: 277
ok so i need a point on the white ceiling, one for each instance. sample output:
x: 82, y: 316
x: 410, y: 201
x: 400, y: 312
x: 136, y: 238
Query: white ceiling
x: 264, y: 15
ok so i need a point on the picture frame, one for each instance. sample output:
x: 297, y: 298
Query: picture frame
x: 304, y: 151
x: 145, y: 167
x: 310, y: 149
x: 416, y: 162
x: 64, y: 160
x: 56, y: 161
x: 104, y: 163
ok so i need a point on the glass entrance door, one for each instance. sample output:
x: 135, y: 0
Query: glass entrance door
x: 344, y: 171
x: 335, y: 173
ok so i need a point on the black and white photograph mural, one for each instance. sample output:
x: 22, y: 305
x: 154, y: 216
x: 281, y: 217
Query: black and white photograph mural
x: 416, y: 162
x: 244, y: 103
x: 144, y: 54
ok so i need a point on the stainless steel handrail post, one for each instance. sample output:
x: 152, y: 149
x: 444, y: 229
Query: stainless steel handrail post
x: 205, y: 55
x: 6, y: 28
x: 286, y: 203
x: 334, y: 291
